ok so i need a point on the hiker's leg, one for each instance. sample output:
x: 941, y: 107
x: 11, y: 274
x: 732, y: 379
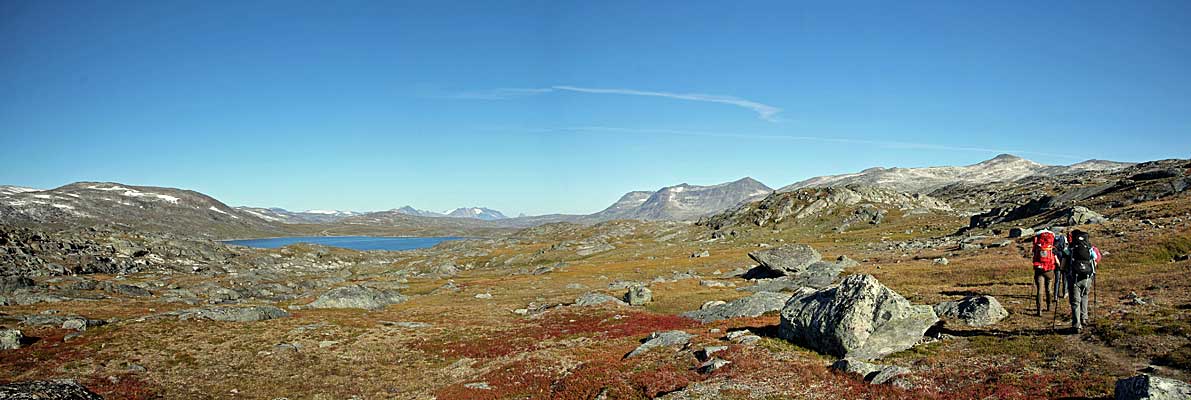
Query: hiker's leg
x: 1048, y: 277
x: 1038, y: 278
x: 1060, y: 284
x: 1080, y: 310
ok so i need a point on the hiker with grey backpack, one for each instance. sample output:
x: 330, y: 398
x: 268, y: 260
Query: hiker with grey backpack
x: 1081, y: 265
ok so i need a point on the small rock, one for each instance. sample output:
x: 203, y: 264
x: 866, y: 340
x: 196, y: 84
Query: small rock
x: 403, y: 324
x: 711, y: 303
x: 77, y: 324
x: 747, y: 340
x: 713, y: 364
x: 661, y: 339
x: 287, y: 347
x: 701, y: 254
x: 1020, y: 232
x: 871, y: 373
x: 595, y: 298
x: 973, y: 310
x: 941, y: 261
x: 484, y: 296
x: 1000, y: 243
x: 477, y: 386
x: 11, y: 339
x: 707, y: 352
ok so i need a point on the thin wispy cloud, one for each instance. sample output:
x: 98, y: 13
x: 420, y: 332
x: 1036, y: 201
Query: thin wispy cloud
x: 763, y: 111
x: 821, y: 139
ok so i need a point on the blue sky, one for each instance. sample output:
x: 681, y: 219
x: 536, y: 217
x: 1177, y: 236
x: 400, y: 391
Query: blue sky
x: 552, y: 106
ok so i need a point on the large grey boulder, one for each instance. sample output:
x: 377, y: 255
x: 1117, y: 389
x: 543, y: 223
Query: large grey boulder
x: 638, y: 295
x: 973, y: 310
x: 859, y: 318
x: 65, y: 389
x: 233, y: 314
x: 596, y: 298
x: 661, y: 339
x: 10, y: 339
x: 1149, y: 387
x: 750, y: 306
x: 794, y: 266
x: 1080, y: 215
x: 787, y: 260
x: 869, y: 372
x: 357, y: 296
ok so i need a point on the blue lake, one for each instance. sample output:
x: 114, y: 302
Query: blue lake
x: 348, y: 242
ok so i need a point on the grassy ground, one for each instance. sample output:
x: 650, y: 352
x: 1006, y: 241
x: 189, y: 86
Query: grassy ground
x: 577, y: 353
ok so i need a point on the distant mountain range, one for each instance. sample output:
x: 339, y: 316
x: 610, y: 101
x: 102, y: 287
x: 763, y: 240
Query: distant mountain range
x: 188, y: 212
x: 1002, y: 168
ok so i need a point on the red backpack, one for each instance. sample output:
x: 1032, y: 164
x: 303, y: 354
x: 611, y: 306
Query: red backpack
x: 1044, y: 246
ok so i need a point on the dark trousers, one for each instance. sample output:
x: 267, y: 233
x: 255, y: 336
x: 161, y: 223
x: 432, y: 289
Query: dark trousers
x: 1042, y: 283
x: 1060, y: 284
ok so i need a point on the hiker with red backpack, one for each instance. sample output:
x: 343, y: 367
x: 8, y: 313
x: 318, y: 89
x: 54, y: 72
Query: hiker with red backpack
x: 1081, y: 263
x: 1045, y: 263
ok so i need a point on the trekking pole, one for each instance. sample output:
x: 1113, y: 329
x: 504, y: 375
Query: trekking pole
x: 1054, y: 315
x: 1092, y: 312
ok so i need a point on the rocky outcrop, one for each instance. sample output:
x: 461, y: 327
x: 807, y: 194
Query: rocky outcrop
x: 662, y: 339
x: 232, y: 314
x: 47, y: 390
x: 859, y: 318
x: 596, y: 298
x: 357, y: 296
x: 872, y: 373
x: 751, y: 306
x: 871, y: 206
x: 973, y: 310
x: 9, y: 284
x: 1149, y: 387
x: 1080, y: 215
